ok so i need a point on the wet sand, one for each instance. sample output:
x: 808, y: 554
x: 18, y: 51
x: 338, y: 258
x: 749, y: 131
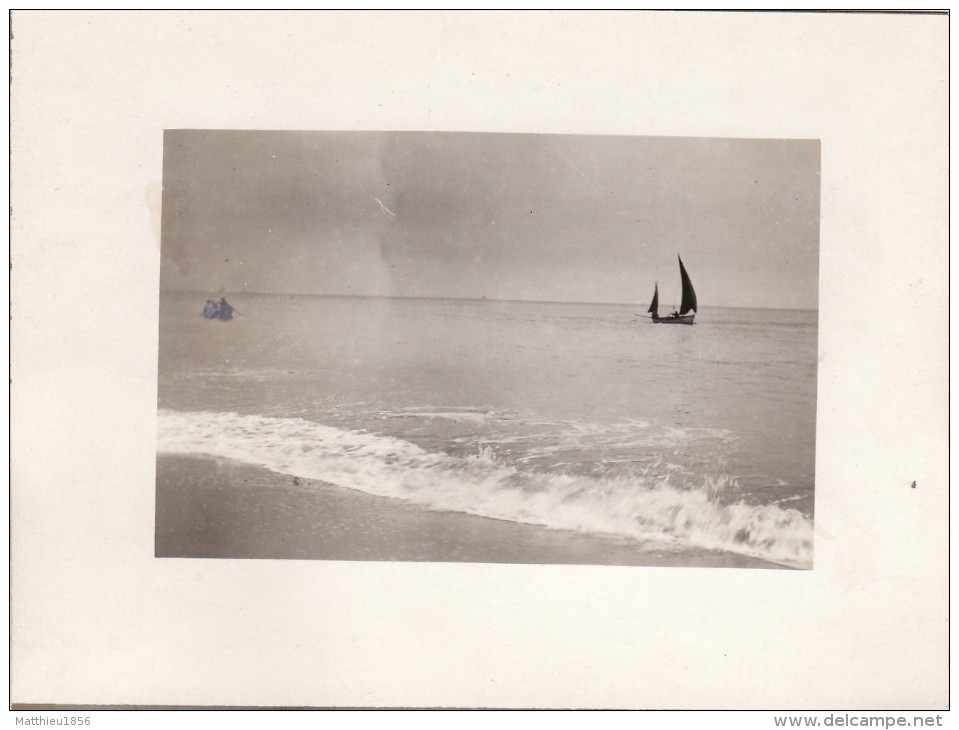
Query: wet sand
x: 214, y: 508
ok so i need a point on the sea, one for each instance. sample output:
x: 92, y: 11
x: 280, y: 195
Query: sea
x: 578, y: 417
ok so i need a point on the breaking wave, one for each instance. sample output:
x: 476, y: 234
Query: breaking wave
x: 645, y: 506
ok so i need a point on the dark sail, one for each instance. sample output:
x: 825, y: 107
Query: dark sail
x: 654, y: 307
x: 689, y: 294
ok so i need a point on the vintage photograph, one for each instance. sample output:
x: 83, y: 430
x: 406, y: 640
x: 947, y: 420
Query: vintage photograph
x: 488, y: 348
x: 585, y: 360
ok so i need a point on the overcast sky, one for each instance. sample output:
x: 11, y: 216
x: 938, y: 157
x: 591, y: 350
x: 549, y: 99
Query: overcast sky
x: 506, y: 216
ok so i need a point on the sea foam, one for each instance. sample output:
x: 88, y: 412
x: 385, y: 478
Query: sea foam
x: 646, y: 507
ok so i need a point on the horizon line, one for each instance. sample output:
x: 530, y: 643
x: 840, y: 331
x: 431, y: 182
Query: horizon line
x: 459, y: 299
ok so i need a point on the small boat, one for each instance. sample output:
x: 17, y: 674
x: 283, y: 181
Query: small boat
x: 218, y: 310
x: 682, y: 316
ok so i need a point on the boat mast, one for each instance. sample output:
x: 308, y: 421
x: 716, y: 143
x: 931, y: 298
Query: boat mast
x: 654, y: 306
x: 689, y: 294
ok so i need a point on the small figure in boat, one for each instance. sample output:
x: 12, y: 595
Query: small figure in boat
x: 225, y: 310
x: 218, y: 310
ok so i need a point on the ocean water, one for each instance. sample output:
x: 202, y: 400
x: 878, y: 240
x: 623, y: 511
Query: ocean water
x: 579, y: 417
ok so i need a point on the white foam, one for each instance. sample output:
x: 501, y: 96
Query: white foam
x: 465, y: 416
x: 642, y: 506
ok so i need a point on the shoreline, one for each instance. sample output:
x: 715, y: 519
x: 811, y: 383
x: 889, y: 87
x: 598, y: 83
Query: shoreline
x: 208, y: 507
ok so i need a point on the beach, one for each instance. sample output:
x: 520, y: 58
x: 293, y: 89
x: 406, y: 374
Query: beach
x: 219, y: 508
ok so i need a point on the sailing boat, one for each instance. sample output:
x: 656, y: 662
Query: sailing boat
x: 688, y: 305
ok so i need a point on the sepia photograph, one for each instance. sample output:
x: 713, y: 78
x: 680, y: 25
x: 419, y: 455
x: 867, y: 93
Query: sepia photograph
x: 509, y: 360
x: 511, y: 348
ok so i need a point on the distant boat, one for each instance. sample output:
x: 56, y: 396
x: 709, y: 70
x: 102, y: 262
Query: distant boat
x: 688, y: 305
x: 218, y: 310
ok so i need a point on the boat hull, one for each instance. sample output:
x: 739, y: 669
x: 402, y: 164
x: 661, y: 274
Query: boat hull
x: 675, y: 319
